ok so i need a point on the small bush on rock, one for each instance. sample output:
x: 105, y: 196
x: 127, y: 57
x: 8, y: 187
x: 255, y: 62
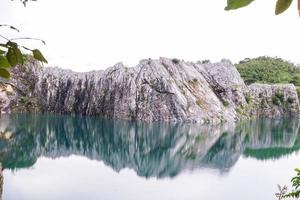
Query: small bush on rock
x: 226, y: 103
x: 278, y: 98
x: 248, y: 98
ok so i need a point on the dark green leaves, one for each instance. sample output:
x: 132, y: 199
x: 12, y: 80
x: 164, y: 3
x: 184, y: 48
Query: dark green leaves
x: 295, y: 193
x: 11, y: 55
x: 14, y: 56
x: 39, y: 56
x: 11, y: 44
x: 4, y: 62
x: 235, y: 4
x: 4, y: 73
x: 282, y: 5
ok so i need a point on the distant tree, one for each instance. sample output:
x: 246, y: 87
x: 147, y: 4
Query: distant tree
x: 281, y: 5
x: 268, y: 70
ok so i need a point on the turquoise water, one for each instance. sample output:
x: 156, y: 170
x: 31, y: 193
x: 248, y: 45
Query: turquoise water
x: 64, y: 157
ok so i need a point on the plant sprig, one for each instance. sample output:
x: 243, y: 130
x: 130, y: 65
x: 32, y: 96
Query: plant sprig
x: 295, y: 193
x: 11, y: 54
x: 281, y: 5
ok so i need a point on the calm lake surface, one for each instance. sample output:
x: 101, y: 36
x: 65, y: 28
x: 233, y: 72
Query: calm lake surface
x: 61, y: 157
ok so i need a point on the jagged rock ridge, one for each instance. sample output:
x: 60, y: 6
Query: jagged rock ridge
x: 154, y: 90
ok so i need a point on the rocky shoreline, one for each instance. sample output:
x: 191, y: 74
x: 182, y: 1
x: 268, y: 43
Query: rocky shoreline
x: 154, y: 90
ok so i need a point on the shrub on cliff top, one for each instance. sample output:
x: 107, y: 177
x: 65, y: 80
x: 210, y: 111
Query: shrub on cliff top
x: 268, y: 70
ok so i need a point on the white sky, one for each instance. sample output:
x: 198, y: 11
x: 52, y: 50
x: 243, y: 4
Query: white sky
x: 95, y: 34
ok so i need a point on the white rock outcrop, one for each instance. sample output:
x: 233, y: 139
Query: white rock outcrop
x: 154, y: 90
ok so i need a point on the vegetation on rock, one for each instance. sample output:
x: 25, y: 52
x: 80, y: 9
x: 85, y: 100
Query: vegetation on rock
x: 278, y: 98
x: 268, y: 70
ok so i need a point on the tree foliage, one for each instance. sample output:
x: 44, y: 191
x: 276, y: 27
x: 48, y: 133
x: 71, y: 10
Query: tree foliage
x: 11, y: 53
x: 280, y: 7
x: 268, y: 70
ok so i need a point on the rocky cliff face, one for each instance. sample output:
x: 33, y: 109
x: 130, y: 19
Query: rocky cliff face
x: 274, y: 100
x: 154, y: 90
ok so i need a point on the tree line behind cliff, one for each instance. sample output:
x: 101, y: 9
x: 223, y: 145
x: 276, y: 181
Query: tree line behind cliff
x: 269, y: 70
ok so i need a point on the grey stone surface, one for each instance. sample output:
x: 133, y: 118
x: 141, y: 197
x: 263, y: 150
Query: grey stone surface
x: 274, y: 100
x: 154, y: 90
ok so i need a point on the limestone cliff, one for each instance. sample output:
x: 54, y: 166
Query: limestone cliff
x: 154, y: 90
x: 274, y: 100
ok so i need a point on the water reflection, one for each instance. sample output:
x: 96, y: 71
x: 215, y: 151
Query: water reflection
x: 150, y: 149
x: 1, y: 182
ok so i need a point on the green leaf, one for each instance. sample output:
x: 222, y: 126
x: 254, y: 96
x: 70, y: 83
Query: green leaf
x: 282, y: 5
x: 4, y: 62
x: 235, y: 4
x: 2, y: 52
x: 3, y: 45
x: 39, y: 56
x: 4, y: 73
x: 14, y: 56
x: 12, y: 44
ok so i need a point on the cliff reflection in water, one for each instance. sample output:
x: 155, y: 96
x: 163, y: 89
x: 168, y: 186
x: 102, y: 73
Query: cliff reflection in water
x: 150, y: 149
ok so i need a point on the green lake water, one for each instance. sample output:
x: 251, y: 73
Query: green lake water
x: 84, y: 158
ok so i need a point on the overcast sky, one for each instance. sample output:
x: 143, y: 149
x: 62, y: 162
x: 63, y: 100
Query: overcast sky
x: 95, y: 34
